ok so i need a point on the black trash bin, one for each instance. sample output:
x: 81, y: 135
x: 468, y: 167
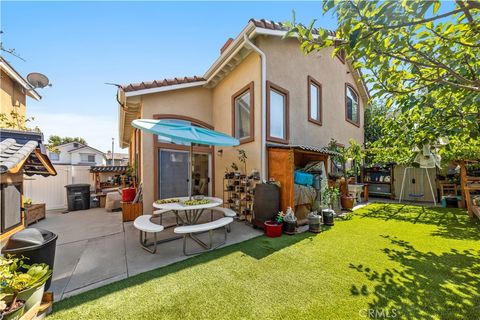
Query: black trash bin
x: 78, y: 196
x: 37, y: 245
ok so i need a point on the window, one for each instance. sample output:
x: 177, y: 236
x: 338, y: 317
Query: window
x: 75, y: 145
x: 277, y: 113
x: 314, y: 101
x: 352, y: 106
x: 336, y: 165
x: 54, y: 156
x: 87, y: 157
x: 341, y: 56
x: 242, y: 114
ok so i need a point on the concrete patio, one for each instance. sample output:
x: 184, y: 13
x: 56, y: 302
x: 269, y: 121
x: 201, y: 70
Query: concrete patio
x: 95, y: 248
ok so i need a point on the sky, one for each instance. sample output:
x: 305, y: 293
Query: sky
x: 82, y: 45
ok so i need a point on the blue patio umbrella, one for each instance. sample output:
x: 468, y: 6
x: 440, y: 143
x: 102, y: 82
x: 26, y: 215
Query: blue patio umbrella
x: 185, y: 132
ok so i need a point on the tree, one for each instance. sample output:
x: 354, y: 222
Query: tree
x: 16, y: 121
x: 422, y: 60
x: 55, y: 140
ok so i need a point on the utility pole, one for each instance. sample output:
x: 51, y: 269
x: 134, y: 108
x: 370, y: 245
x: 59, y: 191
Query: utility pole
x: 113, y: 157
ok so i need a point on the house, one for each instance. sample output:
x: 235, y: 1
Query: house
x: 14, y: 92
x: 75, y: 153
x: 21, y: 152
x: 119, y: 159
x: 262, y: 89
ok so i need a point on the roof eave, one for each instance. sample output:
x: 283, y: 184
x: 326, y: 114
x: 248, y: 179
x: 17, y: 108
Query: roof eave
x: 30, y: 91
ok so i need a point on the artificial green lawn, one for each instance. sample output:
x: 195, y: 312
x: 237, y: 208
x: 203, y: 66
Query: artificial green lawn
x: 401, y: 262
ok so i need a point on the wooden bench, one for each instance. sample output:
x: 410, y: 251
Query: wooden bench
x: 197, y: 228
x: 144, y: 224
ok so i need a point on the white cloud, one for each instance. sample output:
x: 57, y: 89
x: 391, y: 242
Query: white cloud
x: 98, y: 131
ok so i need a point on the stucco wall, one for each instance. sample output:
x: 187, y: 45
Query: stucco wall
x: 12, y: 96
x: 193, y: 102
x: 289, y: 68
x: 246, y: 72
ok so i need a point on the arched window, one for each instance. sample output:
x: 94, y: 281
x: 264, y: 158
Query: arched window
x: 352, y: 106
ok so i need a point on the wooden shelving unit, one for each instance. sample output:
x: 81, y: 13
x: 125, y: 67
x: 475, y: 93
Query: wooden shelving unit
x: 238, y: 194
x: 379, y: 180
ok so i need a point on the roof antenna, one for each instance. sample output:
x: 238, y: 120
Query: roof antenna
x: 10, y: 51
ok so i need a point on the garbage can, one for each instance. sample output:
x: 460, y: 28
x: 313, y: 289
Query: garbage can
x: 78, y: 196
x: 37, y: 245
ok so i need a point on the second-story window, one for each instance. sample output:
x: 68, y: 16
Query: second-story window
x: 352, y: 106
x: 54, y: 156
x: 277, y: 113
x: 242, y: 114
x: 314, y: 101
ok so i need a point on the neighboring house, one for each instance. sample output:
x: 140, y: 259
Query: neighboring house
x: 75, y: 153
x: 262, y: 89
x: 119, y: 159
x: 21, y: 152
x: 14, y: 91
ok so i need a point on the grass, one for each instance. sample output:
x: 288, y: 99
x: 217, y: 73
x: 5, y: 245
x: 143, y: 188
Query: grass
x: 384, y: 261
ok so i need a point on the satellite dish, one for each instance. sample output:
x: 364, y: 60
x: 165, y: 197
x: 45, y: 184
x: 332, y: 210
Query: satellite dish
x: 37, y: 80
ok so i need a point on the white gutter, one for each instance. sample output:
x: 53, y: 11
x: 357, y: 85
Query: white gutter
x: 263, y: 115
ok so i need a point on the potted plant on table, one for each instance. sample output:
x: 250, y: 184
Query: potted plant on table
x: 273, y: 228
x: 329, y: 197
x: 290, y: 222
x: 22, y: 285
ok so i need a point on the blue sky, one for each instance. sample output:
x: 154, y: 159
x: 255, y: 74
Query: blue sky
x: 82, y: 45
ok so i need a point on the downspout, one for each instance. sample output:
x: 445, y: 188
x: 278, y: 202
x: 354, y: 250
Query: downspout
x: 263, y: 114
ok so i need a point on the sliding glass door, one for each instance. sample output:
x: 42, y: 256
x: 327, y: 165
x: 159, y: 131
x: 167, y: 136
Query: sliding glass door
x: 173, y: 173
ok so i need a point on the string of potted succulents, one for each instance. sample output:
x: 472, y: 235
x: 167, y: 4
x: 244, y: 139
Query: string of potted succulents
x: 21, y: 286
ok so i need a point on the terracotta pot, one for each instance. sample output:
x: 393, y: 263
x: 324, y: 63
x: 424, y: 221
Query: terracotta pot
x: 347, y: 202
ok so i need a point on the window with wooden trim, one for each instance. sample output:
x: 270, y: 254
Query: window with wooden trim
x: 243, y: 114
x: 341, y: 55
x: 277, y: 113
x: 352, y: 105
x: 314, y: 101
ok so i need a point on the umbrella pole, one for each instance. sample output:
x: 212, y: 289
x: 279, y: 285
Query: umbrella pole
x: 190, y: 172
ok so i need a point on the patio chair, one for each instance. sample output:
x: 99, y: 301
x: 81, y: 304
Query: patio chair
x: 145, y: 225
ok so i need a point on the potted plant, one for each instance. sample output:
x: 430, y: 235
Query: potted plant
x: 13, y: 310
x: 273, y: 228
x: 289, y: 222
x: 27, y: 202
x: 21, y: 281
x: 329, y: 197
x: 314, y: 222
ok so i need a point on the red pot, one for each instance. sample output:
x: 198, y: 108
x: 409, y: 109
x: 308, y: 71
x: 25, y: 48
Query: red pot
x: 128, y: 194
x: 272, y: 229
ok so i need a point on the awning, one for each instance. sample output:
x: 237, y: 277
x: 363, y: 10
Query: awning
x: 322, y: 150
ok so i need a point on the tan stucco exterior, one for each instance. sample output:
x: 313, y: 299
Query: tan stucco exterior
x: 191, y: 102
x: 242, y: 75
x: 289, y: 68
x: 12, y: 96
